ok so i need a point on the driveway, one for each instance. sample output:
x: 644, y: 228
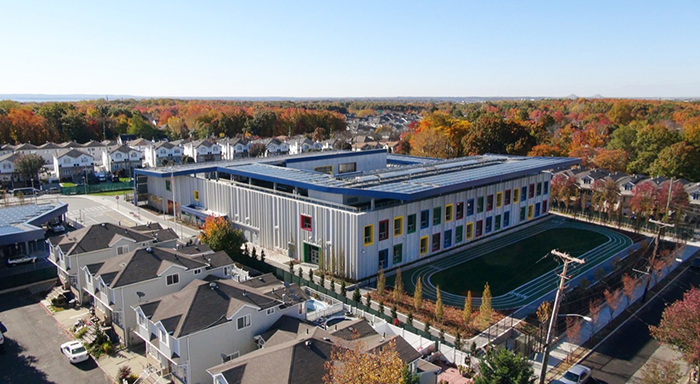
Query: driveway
x: 31, y: 350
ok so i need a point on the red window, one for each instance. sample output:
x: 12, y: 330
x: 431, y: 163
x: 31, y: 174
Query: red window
x: 383, y: 230
x: 544, y: 206
x: 305, y: 222
x: 531, y: 191
x: 507, y: 197
x: 460, y: 210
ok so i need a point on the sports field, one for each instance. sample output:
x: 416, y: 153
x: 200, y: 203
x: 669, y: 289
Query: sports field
x: 515, y: 265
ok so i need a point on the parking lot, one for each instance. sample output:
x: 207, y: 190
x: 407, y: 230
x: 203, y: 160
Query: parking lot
x: 31, y: 350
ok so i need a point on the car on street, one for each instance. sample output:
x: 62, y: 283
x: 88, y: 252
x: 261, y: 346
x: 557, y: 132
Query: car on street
x: 20, y: 259
x: 75, y: 351
x: 695, y: 264
x: 578, y: 374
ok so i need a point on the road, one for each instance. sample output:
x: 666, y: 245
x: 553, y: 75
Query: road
x: 31, y: 350
x: 623, y: 353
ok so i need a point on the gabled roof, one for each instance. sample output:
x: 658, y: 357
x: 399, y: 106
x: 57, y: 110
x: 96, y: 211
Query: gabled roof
x: 7, y: 147
x: 202, y: 143
x: 49, y: 145
x: 92, y: 144
x: 71, y: 152
x: 165, y: 144
x: 137, y: 142
x: 95, y: 237
x: 70, y: 144
x: 201, y: 305
x: 146, y: 264
x: 122, y: 148
x: 11, y: 157
x: 25, y: 147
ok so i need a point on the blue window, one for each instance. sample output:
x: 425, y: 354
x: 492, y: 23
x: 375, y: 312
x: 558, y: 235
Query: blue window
x: 448, y: 238
x: 537, y: 210
x: 489, y: 223
x: 470, y: 207
x: 424, y: 218
x: 506, y: 219
x: 383, y: 258
x: 523, y: 192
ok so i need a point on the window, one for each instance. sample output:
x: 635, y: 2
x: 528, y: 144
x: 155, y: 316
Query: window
x: 459, y: 234
x: 347, y: 167
x: 506, y: 219
x: 449, y: 208
x: 587, y: 180
x: 470, y: 230
x: 522, y: 214
x: 306, y: 222
x: 196, y: 195
x: 499, y: 199
x: 537, y: 210
x: 198, y: 271
x: 479, y: 228
x: 163, y: 335
x: 507, y: 197
x: 437, y: 215
x: 523, y: 191
x: 460, y: 210
x: 516, y: 195
x: 243, y: 322
x: 383, y: 230
x: 539, y: 189
x: 470, y: 207
x: 172, y: 279
x: 423, y: 245
x: 448, y: 239
x: 122, y: 249
x: 230, y: 357
x: 88, y: 276
x: 544, y: 206
x: 398, y: 226
x: 489, y: 202
x: 531, y: 191
x: 140, y: 318
x: 545, y: 187
x: 368, y: 234
x: 270, y: 311
x: 118, y: 156
x: 383, y: 258
x: 167, y: 185
x: 436, y: 242
x: 411, y: 226
x: 424, y: 218
x: 489, y: 224
x: 530, y: 211
x: 497, y: 222
x: 324, y: 169
x: 398, y: 254
x: 480, y: 204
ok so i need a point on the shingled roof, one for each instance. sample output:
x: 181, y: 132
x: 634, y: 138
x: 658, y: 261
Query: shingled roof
x: 100, y: 236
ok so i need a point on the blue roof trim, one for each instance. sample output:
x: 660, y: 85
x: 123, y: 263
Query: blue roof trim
x: 333, y: 156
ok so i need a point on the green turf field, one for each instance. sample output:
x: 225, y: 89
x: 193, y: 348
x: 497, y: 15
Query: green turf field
x: 514, y: 265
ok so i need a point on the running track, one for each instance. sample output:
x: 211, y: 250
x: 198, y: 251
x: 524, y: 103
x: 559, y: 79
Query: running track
x: 533, y: 289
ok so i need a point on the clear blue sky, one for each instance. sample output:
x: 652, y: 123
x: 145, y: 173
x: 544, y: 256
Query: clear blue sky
x: 336, y: 48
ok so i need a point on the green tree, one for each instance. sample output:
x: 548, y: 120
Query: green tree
x: 606, y: 194
x: 220, y: 235
x: 679, y: 160
x: 418, y: 295
x: 501, y: 366
x: 356, y: 297
x: 381, y: 282
x: 485, y: 309
x: 29, y: 166
x: 409, y: 377
x: 439, y: 310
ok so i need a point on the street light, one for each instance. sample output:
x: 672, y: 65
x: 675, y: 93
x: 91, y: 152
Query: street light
x: 585, y: 318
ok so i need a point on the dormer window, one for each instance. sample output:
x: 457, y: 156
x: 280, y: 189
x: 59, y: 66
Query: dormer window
x: 118, y: 156
x: 587, y: 180
x: 163, y: 335
x: 172, y: 279
x: 122, y: 249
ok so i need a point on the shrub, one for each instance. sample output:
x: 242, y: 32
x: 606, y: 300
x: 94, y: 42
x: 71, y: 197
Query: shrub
x: 81, y: 332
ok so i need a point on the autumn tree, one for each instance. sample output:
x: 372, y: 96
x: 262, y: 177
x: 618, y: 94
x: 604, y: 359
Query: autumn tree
x: 219, y: 235
x: 661, y: 372
x: 629, y: 284
x: 573, y: 331
x: 485, y: 309
x: 467, y: 311
x: 500, y: 365
x: 644, y: 199
x: 563, y: 189
x: 256, y: 150
x: 381, y: 282
x: 398, y: 286
x: 594, y: 307
x: 614, y: 160
x: 606, y: 195
x: 356, y: 364
x: 680, y: 327
x: 418, y: 295
x: 439, y: 310
x: 679, y: 160
x: 679, y: 197
x: 612, y: 299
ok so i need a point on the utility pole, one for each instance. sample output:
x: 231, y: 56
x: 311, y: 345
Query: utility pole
x: 659, y: 225
x: 566, y: 258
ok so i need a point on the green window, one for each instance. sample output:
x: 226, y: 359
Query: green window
x: 459, y: 234
x: 437, y: 215
x: 398, y: 254
x: 411, y: 226
x: 480, y: 204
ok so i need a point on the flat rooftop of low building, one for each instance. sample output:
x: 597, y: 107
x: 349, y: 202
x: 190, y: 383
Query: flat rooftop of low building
x: 23, y: 222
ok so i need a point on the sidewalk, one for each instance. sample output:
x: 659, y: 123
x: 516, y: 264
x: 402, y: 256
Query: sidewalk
x: 109, y: 364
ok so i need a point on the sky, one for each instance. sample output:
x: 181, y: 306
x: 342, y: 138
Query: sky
x: 354, y: 48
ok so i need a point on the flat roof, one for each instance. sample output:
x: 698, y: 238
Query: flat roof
x: 21, y: 223
x: 405, y: 178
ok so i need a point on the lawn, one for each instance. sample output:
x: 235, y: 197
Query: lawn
x: 113, y: 193
x: 514, y: 265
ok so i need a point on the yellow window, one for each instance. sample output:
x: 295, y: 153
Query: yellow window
x: 530, y: 211
x: 499, y: 199
x: 470, y: 230
x: 516, y: 195
x: 423, y: 245
x: 449, y: 208
x: 398, y: 226
x: 196, y: 195
x: 368, y: 235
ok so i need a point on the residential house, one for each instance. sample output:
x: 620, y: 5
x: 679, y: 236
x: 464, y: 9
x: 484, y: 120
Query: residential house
x: 97, y: 243
x: 120, y: 282
x: 300, y: 144
x: 121, y: 158
x: 95, y: 148
x: 234, y: 148
x: 8, y: 175
x: 72, y: 164
x: 366, y: 146
x: 273, y: 146
x: 125, y: 139
x: 203, y: 151
x: 47, y: 152
x: 330, y: 144
x: 26, y: 149
x: 140, y: 144
x: 6, y: 149
x: 209, y: 322
x: 161, y: 154
x: 300, y: 351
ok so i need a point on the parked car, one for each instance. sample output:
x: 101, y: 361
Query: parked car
x: 20, y: 259
x: 75, y: 351
x: 25, y: 191
x: 57, y: 227
x: 578, y: 374
x: 101, y: 177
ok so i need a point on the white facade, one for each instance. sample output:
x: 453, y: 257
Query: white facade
x: 202, y: 151
x: 72, y: 163
x: 161, y: 154
x: 124, y: 157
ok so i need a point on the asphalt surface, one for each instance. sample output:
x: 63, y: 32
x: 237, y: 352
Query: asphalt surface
x: 623, y: 353
x: 31, y: 350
